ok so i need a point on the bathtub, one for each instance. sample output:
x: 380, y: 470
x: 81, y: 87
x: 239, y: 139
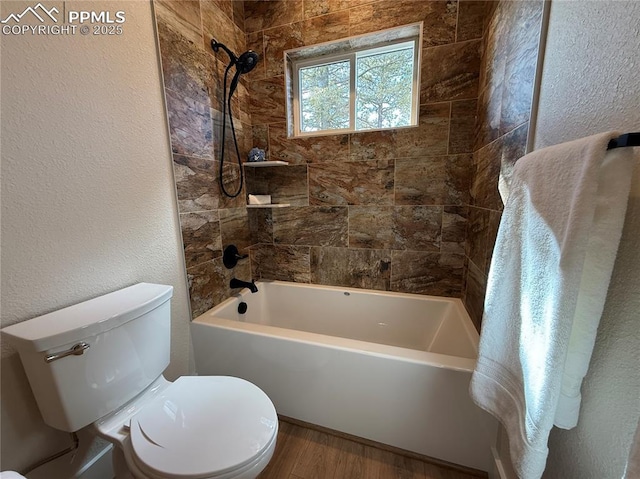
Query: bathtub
x: 389, y: 367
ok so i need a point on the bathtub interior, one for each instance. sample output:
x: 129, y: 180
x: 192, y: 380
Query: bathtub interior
x: 421, y: 323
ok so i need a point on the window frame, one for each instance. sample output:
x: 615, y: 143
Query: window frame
x: 351, y: 56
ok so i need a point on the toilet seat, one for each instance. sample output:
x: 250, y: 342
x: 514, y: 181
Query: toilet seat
x: 202, y: 427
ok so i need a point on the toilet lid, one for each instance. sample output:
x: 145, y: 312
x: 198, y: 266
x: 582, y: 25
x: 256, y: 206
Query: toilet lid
x: 202, y: 426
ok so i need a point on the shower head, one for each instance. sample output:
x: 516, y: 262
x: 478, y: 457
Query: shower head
x: 247, y: 61
x: 244, y: 63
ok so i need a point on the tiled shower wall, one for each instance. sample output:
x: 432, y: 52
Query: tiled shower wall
x: 411, y: 210
x: 384, y: 210
x: 509, y: 57
x: 193, y: 91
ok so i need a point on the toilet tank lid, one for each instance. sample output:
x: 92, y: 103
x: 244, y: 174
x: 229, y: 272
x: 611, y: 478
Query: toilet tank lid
x: 88, y: 318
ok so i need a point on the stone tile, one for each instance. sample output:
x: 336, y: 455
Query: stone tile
x: 276, y: 41
x: 232, y: 182
x: 465, y: 274
x: 195, y: 178
x: 450, y: 72
x: 371, y: 227
x: 223, y: 6
x: 300, y: 151
x: 186, y: 68
x: 462, y: 128
x: 238, y: 13
x: 190, y: 126
x: 514, y: 146
x: 401, y: 227
x: 355, y: 268
x: 255, y: 42
x: 234, y: 228
x: 244, y: 137
x: 471, y: 19
x: 443, y: 180
x: 417, y: 227
x: 201, y: 237
x: 209, y: 283
x: 525, y: 21
x: 476, y: 287
x: 489, y: 114
x: 484, y: 192
x: 454, y: 229
x: 182, y: 17
x: 429, y: 138
x: 496, y: 44
x: 284, y: 184
x: 325, y: 28
x: 439, y: 18
x: 260, y: 225
x: 314, y: 8
x: 222, y: 28
x: 284, y: 263
x: 351, y: 183
x: 478, y: 236
x: 197, y: 185
x: 261, y: 15
x: 438, y: 274
x: 311, y: 226
x: 260, y: 136
x: 459, y: 171
x: 240, y: 103
x: 373, y: 145
x: 420, y: 181
x: 267, y: 100
x: 517, y: 92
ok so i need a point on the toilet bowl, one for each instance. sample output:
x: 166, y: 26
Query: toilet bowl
x: 100, y: 363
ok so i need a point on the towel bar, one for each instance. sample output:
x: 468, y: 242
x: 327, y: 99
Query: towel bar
x: 628, y: 139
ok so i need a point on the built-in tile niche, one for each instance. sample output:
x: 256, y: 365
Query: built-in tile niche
x: 384, y: 210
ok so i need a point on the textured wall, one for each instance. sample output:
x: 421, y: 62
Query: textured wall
x: 383, y: 210
x: 509, y: 58
x: 87, y: 193
x: 590, y: 84
x: 193, y: 80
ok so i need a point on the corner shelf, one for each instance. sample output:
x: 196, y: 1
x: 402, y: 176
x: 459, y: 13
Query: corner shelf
x: 259, y: 164
x: 271, y: 205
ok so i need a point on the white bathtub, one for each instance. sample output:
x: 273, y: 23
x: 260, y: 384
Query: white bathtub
x: 389, y: 367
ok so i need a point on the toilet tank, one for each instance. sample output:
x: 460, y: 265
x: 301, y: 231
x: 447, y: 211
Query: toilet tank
x: 122, y: 340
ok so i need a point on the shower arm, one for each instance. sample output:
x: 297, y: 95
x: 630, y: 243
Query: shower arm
x: 216, y: 45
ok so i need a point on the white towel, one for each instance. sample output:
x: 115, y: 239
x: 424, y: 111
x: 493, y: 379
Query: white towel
x: 259, y: 199
x: 10, y: 475
x: 547, y: 283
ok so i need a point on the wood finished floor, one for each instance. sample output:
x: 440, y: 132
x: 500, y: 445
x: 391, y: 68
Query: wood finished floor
x: 303, y: 453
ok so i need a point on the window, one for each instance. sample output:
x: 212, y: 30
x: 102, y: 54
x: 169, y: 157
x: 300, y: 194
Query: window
x: 372, y: 87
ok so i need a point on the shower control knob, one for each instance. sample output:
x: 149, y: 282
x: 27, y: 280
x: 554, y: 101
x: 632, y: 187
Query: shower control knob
x: 231, y: 255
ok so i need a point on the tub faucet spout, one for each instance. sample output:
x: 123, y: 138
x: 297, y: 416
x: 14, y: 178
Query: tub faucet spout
x: 237, y: 283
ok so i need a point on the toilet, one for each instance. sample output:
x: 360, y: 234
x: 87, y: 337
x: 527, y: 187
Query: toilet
x: 100, y: 364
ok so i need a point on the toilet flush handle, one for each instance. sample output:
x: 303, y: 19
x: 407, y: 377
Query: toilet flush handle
x: 77, y: 350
